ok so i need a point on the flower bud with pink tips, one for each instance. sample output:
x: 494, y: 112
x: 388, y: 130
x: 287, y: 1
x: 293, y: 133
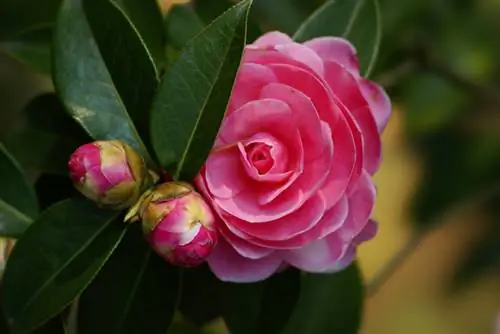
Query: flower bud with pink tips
x: 177, y: 222
x: 110, y: 173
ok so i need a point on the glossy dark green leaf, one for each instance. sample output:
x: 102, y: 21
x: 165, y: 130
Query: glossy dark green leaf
x: 358, y: 21
x: 241, y: 306
x: 135, y: 292
x: 64, y: 250
x: 84, y: 84
x: 263, y: 307
x: 147, y: 19
x: 130, y: 64
x: 31, y: 48
x: 47, y: 137
x: 329, y: 303
x: 201, y: 297
x: 53, y: 326
x: 182, y: 24
x: 18, y: 204
x: 209, y: 10
x: 193, y: 95
x: 281, y: 293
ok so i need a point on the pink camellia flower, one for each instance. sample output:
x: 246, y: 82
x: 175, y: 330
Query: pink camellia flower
x: 290, y: 174
x: 110, y: 173
x: 177, y: 222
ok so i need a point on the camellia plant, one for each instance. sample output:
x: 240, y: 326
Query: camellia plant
x: 225, y: 177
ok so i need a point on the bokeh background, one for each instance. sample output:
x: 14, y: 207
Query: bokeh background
x: 439, y: 184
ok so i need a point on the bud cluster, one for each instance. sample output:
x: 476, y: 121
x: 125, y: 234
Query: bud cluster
x: 176, y: 220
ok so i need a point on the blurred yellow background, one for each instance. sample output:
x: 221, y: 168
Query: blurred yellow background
x: 413, y: 301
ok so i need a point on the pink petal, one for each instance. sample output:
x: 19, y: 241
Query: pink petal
x: 369, y: 232
x: 344, y: 261
x: 343, y: 165
x: 358, y: 143
x: 242, y: 246
x: 317, y: 256
x: 311, y: 86
x: 272, y: 38
x: 279, y: 172
x: 331, y: 221
x: 379, y: 102
x: 349, y: 252
x: 302, y: 54
x: 336, y: 49
x: 361, y: 203
x: 305, y: 218
x: 225, y: 174
x: 372, y: 147
x: 246, y: 207
x: 267, y: 195
x: 303, y: 110
x: 228, y: 266
x: 344, y: 85
x: 250, y: 80
x: 270, y: 116
x: 314, y: 174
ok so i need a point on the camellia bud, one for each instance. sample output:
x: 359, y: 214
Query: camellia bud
x: 177, y: 222
x: 110, y: 173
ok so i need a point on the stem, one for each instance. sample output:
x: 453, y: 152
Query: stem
x: 390, y: 267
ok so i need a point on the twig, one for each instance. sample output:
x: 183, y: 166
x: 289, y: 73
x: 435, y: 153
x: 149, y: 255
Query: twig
x: 398, y: 260
x: 390, y: 267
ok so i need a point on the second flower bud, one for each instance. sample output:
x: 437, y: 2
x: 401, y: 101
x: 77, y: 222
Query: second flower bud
x: 177, y: 222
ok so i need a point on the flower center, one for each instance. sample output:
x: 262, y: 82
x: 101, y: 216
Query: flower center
x: 259, y: 154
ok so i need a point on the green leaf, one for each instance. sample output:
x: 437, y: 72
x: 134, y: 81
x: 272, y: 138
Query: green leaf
x: 124, y: 52
x: 31, y: 48
x: 241, y: 306
x: 210, y: 10
x: 47, y: 137
x: 182, y: 24
x: 358, y: 21
x: 84, y: 84
x: 64, y: 249
x: 281, y: 293
x: 135, y: 292
x: 54, y: 326
x: 193, y: 95
x: 263, y: 307
x: 147, y: 19
x: 200, y: 300
x: 329, y: 303
x: 18, y: 204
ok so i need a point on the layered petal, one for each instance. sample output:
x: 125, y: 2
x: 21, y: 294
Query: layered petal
x: 336, y: 49
x: 379, y: 102
x: 249, y: 82
x: 272, y: 38
x: 317, y: 256
x: 361, y: 203
x: 229, y: 266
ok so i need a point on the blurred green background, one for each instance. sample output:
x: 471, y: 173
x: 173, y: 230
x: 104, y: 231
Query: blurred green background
x: 440, y: 179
